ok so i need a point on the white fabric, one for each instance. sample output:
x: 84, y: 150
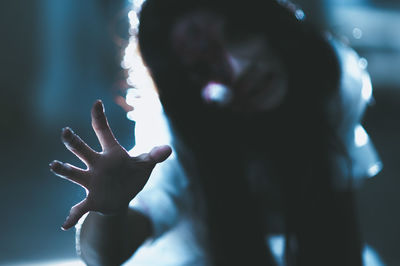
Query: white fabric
x: 165, y: 198
x: 355, y: 95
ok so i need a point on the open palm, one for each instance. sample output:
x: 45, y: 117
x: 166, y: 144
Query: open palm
x: 112, y: 178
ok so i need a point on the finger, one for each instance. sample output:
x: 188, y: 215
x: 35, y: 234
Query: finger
x: 160, y: 153
x: 157, y: 154
x: 77, y: 146
x: 101, y: 127
x: 70, y: 172
x: 77, y: 211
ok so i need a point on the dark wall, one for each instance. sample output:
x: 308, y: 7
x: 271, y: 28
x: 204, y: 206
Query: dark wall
x: 379, y: 198
x: 56, y: 59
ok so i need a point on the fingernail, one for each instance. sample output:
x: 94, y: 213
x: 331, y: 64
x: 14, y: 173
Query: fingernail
x: 54, y: 164
x: 99, y: 106
x: 67, y: 133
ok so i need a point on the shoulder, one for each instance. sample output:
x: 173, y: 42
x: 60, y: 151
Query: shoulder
x: 355, y: 88
x: 353, y: 96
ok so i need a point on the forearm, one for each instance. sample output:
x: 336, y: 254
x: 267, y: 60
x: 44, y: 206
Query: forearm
x: 111, y: 240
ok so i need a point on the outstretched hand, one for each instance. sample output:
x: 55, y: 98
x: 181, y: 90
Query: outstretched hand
x: 112, y: 178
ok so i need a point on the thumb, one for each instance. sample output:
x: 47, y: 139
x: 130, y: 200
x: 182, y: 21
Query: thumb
x: 75, y: 214
x: 160, y: 153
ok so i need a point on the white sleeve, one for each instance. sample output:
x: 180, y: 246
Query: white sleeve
x: 164, y: 195
x: 354, y: 95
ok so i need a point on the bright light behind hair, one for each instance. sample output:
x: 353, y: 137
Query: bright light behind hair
x: 151, y: 128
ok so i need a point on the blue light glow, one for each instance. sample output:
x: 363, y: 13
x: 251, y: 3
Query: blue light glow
x: 360, y: 136
x: 357, y: 33
x: 375, y: 169
x: 299, y: 14
x: 366, y: 91
x: 363, y: 63
x: 277, y: 246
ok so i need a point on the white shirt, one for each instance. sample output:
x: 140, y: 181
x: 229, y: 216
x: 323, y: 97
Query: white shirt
x: 166, y: 198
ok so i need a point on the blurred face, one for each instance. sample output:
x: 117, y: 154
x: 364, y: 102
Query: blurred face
x: 243, y: 76
x: 259, y: 80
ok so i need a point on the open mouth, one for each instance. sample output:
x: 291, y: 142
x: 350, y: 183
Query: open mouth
x: 253, y: 93
x: 256, y: 86
x: 257, y: 92
x: 217, y: 93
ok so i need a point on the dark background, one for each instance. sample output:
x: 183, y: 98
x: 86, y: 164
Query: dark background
x: 58, y: 56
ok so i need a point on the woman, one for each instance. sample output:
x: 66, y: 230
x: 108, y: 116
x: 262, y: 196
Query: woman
x: 256, y: 101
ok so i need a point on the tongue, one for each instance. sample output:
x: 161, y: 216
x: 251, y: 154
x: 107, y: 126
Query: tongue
x: 216, y: 93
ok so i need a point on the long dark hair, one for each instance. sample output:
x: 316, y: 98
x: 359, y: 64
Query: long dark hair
x: 297, y: 138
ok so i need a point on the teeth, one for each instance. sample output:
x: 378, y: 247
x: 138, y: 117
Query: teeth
x: 217, y: 93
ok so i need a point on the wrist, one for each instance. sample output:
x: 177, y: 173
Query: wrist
x: 122, y: 212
